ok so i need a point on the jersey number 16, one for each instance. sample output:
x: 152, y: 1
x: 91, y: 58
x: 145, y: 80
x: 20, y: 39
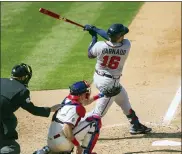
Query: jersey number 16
x: 111, y: 62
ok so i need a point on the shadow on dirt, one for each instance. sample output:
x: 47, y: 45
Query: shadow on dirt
x: 151, y: 151
x: 150, y: 135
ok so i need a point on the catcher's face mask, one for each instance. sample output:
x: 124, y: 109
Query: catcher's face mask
x: 88, y: 90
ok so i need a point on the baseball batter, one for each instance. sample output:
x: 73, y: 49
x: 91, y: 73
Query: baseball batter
x: 111, y: 56
x: 67, y: 129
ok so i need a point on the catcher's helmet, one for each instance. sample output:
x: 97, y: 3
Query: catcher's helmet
x: 20, y: 71
x: 79, y: 88
x: 117, y: 29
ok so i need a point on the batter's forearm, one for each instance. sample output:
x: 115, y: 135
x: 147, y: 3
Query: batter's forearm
x: 101, y: 32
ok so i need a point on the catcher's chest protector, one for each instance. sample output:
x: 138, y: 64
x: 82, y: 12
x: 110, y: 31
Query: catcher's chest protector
x: 70, y: 112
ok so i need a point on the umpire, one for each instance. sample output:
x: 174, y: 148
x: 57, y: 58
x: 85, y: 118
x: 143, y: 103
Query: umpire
x: 14, y: 94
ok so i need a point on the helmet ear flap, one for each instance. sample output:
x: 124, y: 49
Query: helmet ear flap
x: 116, y: 29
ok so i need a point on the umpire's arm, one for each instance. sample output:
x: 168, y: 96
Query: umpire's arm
x: 31, y: 108
x: 35, y: 110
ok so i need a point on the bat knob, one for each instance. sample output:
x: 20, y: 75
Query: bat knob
x: 40, y: 9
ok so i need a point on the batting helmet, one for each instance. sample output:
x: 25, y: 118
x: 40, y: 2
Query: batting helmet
x: 20, y: 71
x: 79, y: 88
x: 117, y: 29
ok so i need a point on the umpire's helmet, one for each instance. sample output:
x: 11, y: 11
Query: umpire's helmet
x: 20, y: 71
x: 117, y: 29
x: 79, y: 88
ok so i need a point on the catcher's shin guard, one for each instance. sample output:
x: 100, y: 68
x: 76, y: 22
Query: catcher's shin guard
x: 92, y: 136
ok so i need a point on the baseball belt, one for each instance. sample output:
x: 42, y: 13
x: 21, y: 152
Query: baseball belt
x: 106, y: 75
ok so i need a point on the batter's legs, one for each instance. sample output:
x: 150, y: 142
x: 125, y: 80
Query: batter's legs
x: 101, y: 107
x: 123, y: 101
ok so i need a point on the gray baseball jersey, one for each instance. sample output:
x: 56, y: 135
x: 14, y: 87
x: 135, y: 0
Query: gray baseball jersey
x: 111, y: 57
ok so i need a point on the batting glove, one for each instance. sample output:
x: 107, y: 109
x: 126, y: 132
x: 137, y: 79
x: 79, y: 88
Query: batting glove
x: 89, y: 27
x: 101, y: 95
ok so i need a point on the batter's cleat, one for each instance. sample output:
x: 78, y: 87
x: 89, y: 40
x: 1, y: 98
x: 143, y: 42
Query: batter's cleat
x: 139, y: 129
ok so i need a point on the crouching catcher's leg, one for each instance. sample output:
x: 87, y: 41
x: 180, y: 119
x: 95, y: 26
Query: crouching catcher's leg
x: 92, y: 136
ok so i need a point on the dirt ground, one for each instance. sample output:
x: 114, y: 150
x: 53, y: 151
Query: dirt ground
x: 151, y: 77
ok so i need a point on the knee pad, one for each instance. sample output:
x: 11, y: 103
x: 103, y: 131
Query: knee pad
x: 96, y: 120
x: 93, y: 134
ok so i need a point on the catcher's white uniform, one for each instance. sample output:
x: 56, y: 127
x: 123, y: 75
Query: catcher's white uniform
x: 111, y: 58
x: 85, y: 130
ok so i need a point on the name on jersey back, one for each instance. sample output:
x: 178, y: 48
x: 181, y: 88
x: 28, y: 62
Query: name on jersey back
x: 113, y: 51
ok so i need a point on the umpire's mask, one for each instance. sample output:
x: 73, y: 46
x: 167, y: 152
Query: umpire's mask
x: 22, y: 70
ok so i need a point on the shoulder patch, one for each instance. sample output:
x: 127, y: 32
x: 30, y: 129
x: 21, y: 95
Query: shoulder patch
x: 28, y: 100
x: 80, y: 110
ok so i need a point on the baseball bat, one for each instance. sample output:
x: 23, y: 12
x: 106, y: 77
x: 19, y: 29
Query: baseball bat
x: 57, y: 16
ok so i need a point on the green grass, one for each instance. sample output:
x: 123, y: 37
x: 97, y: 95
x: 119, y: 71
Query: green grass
x: 57, y: 51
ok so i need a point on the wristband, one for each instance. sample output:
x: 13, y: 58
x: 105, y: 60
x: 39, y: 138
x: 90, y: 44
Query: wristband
x: 75, y: 142
x: 98, y: 96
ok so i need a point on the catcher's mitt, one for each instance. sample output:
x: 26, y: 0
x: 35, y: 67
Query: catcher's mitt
x: 110, y: 92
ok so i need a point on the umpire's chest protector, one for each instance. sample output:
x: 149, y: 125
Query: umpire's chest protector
x: 10, y: 89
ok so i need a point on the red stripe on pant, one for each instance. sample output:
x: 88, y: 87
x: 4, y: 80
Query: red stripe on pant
x: 95, y: 135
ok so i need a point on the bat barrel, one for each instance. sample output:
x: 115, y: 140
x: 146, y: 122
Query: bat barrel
x: 57, y: 16
x: 49, y: 13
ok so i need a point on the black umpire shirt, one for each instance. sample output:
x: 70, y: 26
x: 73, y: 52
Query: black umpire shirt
x: 13, y: 96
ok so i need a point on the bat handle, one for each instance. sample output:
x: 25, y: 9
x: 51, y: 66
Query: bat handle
x: 72, y: 22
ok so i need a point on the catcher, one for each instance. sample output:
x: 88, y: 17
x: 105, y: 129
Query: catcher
x: 67, y: 129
